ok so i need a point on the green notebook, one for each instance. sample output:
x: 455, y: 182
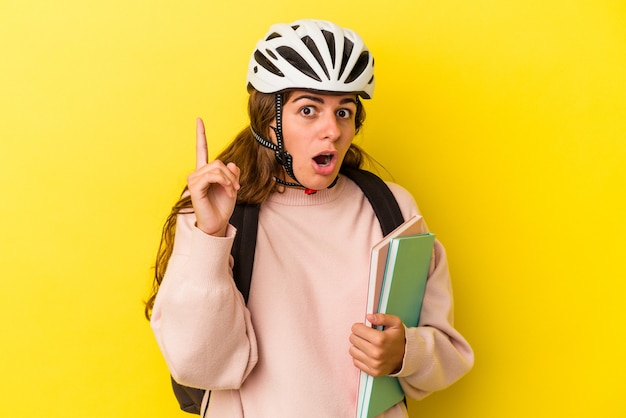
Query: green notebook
x: 401, y: 294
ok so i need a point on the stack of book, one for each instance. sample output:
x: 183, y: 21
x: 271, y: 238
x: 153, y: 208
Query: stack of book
x: 398, y: 271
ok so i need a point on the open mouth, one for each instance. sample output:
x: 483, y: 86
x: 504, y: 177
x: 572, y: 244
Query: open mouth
x: 323, y: 160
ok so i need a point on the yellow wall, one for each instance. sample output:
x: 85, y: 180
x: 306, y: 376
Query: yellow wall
x: 506, y: 119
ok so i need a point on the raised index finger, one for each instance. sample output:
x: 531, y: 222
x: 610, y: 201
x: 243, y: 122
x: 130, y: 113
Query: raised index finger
x: 202, y: 151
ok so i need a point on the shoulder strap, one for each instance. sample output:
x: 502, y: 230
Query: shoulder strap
x: 380, y: 197
x: 245, y: 218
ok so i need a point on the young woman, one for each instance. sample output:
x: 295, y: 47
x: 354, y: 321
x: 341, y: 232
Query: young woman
x: 296, y: 348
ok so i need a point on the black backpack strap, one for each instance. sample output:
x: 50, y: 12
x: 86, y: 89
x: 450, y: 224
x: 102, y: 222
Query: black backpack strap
x: 245, y: 218
x: 380, y: 197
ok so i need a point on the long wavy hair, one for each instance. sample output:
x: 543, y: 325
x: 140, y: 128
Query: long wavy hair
x: 258, y: 168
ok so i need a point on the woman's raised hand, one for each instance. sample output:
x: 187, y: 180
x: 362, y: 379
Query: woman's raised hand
x: 213, y: 188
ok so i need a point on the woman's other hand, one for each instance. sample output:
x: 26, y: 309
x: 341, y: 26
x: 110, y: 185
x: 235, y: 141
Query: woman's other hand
x: 376, y: 352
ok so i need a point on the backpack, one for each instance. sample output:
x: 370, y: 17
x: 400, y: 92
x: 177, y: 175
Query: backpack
x: 245, y: 218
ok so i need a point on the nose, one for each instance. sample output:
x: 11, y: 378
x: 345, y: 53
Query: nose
x: 331, y: 130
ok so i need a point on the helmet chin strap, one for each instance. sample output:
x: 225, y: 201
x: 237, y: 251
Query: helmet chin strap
x: 282, y: 156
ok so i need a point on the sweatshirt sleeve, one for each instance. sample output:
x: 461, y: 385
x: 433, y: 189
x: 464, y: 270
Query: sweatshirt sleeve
x: 436, y: 354
x: 199, y: 319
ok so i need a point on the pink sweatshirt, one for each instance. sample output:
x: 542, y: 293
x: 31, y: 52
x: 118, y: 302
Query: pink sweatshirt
x: 285, y: 354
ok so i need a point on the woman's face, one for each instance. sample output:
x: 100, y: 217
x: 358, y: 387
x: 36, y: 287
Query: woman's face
x: 317, y: 131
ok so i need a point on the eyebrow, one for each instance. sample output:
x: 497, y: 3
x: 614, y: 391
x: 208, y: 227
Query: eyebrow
x: 320, y: 100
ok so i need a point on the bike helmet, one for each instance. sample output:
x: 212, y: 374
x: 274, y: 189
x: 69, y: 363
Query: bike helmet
x: 312, y: 54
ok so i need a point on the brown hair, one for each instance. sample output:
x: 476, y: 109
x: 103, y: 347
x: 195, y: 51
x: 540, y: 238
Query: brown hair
x: 258, y: 169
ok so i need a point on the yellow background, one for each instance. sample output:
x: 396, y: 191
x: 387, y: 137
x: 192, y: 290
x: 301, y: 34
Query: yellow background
x: 505, y: 119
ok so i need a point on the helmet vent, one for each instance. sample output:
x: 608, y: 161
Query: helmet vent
x: 297, y: 61
x: 316, y: 53
x: 265, y: 63
x: 330, y: 41
x: 272, y: 36
x: 348, y: 45
x: 359, y: 67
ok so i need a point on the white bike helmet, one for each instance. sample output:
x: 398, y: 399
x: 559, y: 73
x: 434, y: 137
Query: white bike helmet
x: 312, y: 54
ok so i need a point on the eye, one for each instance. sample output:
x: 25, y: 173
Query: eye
x: 307, y: 111
x: 344, y: 113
